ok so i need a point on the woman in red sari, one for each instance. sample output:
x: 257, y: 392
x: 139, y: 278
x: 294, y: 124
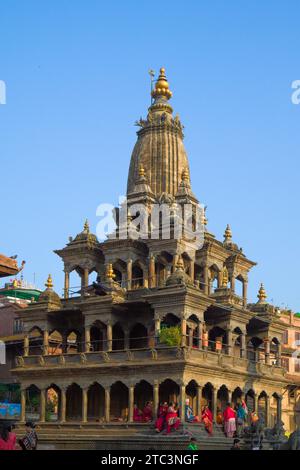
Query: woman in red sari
x: 207, y: 419
x: 137, y: 414
x: 147, y: 412
x: 229, y: 420
x: 173, y: 422
x: 161, y: 417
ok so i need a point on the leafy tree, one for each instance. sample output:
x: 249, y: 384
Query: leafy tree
x: 170, y: 336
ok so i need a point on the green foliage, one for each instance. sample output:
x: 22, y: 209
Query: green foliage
x: 171, y: 336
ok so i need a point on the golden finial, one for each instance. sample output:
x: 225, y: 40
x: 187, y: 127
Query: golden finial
x: 110, y: 272
x: 224, y: 277
x: 49, y: 282
x: 86, y: 227
x: 162, y: 86
x: 141, y: 172
x: 262, y: 295
x: 227, y: 234
x: 185, y: 175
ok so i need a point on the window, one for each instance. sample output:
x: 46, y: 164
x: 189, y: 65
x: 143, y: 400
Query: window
x: 297, y: 337
x: 285, y: 337
x: 297, y: 365
x: 18, y: 326
x: 285, y: 362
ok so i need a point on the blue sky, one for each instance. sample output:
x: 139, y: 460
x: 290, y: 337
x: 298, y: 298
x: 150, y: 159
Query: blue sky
x: 76, y: 77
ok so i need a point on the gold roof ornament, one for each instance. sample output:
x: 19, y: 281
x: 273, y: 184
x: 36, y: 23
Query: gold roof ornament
x: 110, y: 272
x: 49, y: 282
x: 224, y: 277
x: 262, y: 295
x: 227, y: 234
x: 142, y: 172
x: 86, y: 227
x: 162, y: 86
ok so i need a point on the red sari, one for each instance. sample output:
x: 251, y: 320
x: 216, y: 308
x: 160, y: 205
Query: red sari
x: 137, y: 415
x: 207, y: 419
x: 147, y: 414
x: 161, y: 418
x: 173, y: 422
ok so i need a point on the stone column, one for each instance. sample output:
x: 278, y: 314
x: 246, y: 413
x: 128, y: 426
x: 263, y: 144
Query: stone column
x: 267, y: 423
x: 199, y: 397
x: 278, y: 355
x: 84, y: 404
x: 214, y: 404
x: 157, y: 330
x: 23, y: 405
x: 230, y: 393
x: 279, y: 408
x: 126, y: 339
x: 182, y: 403
x: 200, y: 333
x: 183, y: 332
x: 109, y: 336
x: 243, y: 345
x: 67, y: 284
x: 220, y: 279
x: 86, y: 277
x: 206, y: 281
x: 229, y: 340
x: 129, y: 274
x: 191, y: 337
x: 152, y: 271
x: 107, y: 404
x: 45, y: 342
x: 267, y: 350
x: 131, y: 403
x: 145, y: 278
x: 192, y: 269
x: 87, y: 339
x: 232, y: 282
x: 26, y: 346
x: 205, y: 340
x: 155, y: 397
x: 63, y: 405
x: 245, y: 292
x: 43, y: 405
x: 256, y: 402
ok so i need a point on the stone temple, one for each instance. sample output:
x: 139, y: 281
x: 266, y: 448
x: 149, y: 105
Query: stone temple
x: 90, y: 356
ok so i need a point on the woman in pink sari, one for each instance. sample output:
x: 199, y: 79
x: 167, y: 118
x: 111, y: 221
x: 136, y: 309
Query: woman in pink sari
x: 207, y: 419
x: 161, y: 417
x: 229, y: 416
x: 147, y: 412
x: 173, y: 422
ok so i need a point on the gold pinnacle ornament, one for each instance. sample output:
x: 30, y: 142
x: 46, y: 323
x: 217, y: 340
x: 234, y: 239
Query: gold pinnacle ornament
x: 49, y: 282
x: 262, y: 295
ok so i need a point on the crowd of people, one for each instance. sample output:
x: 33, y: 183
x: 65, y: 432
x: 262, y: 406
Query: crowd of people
x: 9, y: 441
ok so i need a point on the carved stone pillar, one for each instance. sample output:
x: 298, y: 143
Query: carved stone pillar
x: 267, y: 350
x: 279, y: 408
x: 131, y: 403
x: 129, y: 274
x: 256, y: 402
x: 109, y: 336
x: 66, y: 284
x: 63, y: 405
x: 42, y: 405
x: 191, y: 337
x: 152, y: 271
x: 214, y: 404
x: 45, y: 342
x: 232, y: 282
x: 145, y: 278
x: 107, y: 404
x: 183, y: 332
x: 229, y: 341
x: 220, y: 279
x: 199, y: 398
x: 23, y: 406
x: 87, y: 339
x: 278, y: 355
x: 206, y: 281
x: 155, y: 397
x: 182, y: 403
x: 126, y: 339
x: 267, y: 423
x: 243, y: 345
x: 200, y: 334
x: 84, y: 404
x: 26, y: 346
x: 245, y: 293
x: 86, y: 277
x: 192, y: 269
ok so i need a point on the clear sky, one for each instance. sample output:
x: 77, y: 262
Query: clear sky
x: 77, y: 78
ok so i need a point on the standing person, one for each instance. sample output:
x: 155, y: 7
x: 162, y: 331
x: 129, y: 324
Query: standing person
x: 29, y: 441
x: 241, y: 417
x: 161, y: 417
x: 7, y: 438
x: 229, y: 420
x: 173, y: 422
x: 236, y: 445
x: 193, y: 444
x: 207, y: 419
